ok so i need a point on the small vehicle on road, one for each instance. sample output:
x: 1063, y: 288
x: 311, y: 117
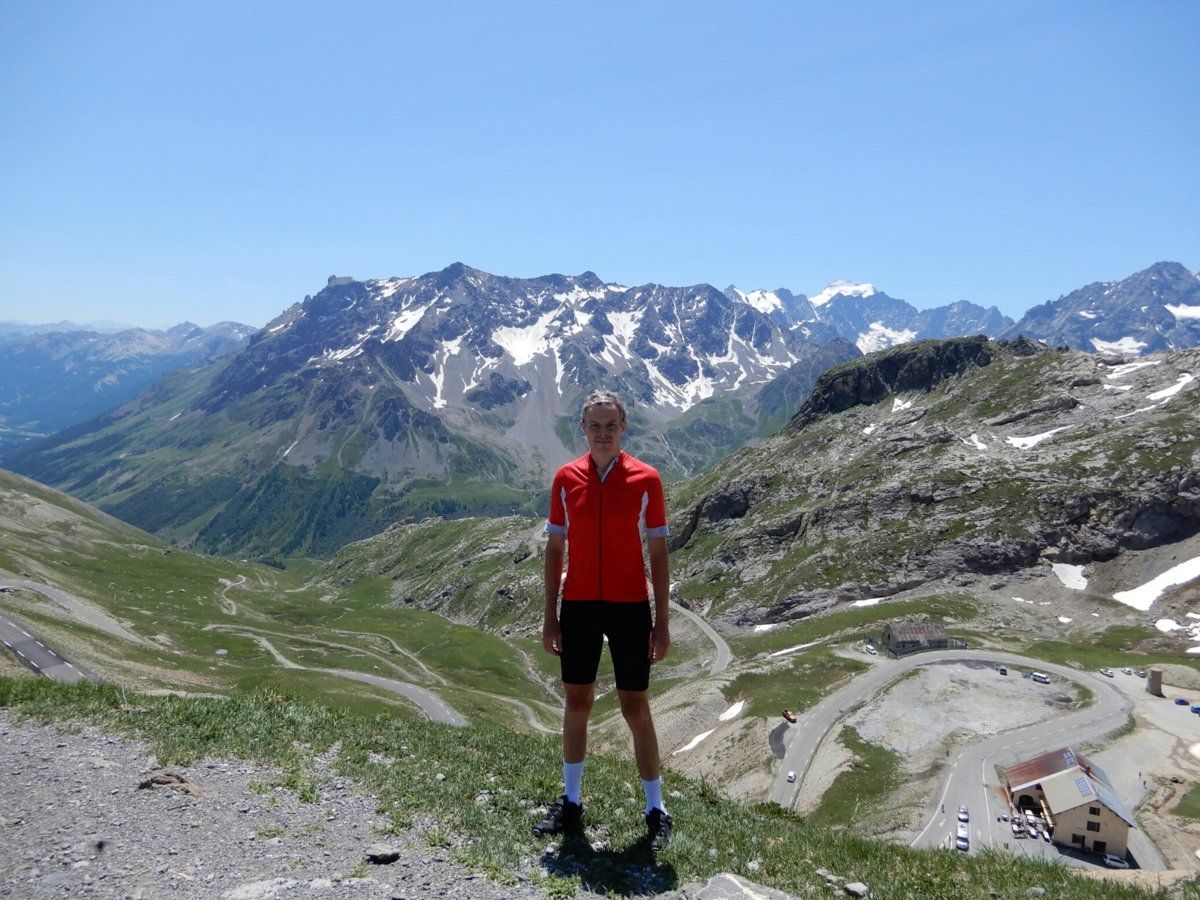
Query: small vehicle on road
x: 1196, y: 707
x: 961, y: 830
x: 963, y: 815
x: 870, y: 649
x: 1046, y: 835
x: 1003, y: 670
x: 791, y: 777
x: 1040, y: 677
x: 1126, y: 671
x: 1115, y: 862
x: 1140, y: 673
x: 1017, y: 830
x: 789, y: 715
x: 1181, y: 701
x: 1107, y: 673
x: 962, y: 843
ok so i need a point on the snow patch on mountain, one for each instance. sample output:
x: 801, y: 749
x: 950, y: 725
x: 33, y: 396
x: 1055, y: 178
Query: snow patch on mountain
x: 844, y: 288
x: 404, y: 322
x: 1126, y: 344
x: 523, y: 344
x: 879, y: 337
x: 1184, y: 312
x: 764, y: 301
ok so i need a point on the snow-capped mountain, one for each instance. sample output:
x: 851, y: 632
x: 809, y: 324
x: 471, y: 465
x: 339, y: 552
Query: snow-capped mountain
x: 868, y: 318
x: 1152, y: 310
x: 461, y: 342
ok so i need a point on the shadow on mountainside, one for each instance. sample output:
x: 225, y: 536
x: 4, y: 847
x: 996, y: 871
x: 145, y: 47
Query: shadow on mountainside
x: 630, y: 870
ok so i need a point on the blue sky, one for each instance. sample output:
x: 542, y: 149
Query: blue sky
x: 218, y: 160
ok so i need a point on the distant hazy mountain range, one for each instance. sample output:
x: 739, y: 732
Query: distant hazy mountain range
x: 456, y: 392
x: 53, y: 379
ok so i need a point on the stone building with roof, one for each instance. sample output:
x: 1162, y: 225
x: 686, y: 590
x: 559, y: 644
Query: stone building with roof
x: 901, y: 638
x: 1075, y: 798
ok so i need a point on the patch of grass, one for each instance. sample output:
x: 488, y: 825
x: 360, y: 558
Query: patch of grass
x: 873, y: 775
x: 800, y: 683
x: 714, y: 833
x: 270, y: 831
x: 1189, y: 806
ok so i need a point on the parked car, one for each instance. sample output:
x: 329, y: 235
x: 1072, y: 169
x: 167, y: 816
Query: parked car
x: 1003, y: 670
x: 1140, y: 673
x: 1108, y: 673
x: 872, y: 650
x: 1115, y: 862
x: 963, y: 815
x: 962, y: 843
x: 1017, y: 830
x: 1196, y: 707
x: 1127, y: 671
x: 1181, y: 701
x: 1046, y: 835
x: 791, y: 777
x: 962, y: 831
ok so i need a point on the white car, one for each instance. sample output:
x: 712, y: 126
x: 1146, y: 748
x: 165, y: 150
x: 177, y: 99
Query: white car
x: 872, y: 650
x: 962, y: 843
x: 1115, y: 862
x: 1127, y: 671
x: 1018, y: 831
x: 1108, y: 673
x: 963, y: 815
x: 791, y: 777
x: 1046, y: 835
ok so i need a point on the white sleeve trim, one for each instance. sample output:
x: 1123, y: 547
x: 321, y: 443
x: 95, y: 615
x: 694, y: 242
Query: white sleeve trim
x: 660, y: 531
x: 551, y: 528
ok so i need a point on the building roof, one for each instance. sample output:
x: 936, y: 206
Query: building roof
x: 916, y: 631
x: 1038, y: 769
x: 1073, y: 788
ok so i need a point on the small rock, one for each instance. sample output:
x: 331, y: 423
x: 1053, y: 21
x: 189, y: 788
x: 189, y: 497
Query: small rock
x: 382, y: 854
x: 221, y: 652
x: 1036, y: 891
x: 440, y: 776
x: 856, y: 889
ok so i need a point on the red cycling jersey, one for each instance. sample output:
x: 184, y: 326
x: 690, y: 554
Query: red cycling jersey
x: 604, y: 520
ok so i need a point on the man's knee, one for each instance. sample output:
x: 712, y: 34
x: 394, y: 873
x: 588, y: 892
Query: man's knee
x: 580, y: 698
x: 635, y: 707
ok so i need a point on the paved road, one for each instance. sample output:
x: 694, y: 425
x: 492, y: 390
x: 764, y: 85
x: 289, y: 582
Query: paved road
x: 721, y: 661
x: 85, y: 612
x: 30, y: 649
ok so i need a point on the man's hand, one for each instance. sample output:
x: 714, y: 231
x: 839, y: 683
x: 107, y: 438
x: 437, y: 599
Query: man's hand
x: 552, y: 637
x: 660, y: 641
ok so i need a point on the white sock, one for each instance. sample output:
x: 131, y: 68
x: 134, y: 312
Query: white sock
x: 572, y: 779
x: 653, y: 791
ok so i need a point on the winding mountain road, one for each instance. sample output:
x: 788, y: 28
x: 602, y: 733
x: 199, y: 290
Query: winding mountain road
x: 434, y: 707
x: 29, y: 648
x: 85, y: 612
x: 724, y: 655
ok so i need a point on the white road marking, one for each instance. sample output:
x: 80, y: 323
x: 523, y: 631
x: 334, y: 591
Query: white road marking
x: 40, y: 644
x: 68, y: 665
x: 26, y: 633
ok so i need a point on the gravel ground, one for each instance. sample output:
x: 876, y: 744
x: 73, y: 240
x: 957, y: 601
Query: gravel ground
x: 917, y: 715
x: 75, y: 823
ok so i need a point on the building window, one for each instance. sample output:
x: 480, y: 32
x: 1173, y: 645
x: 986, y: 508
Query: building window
x: 1093, y: 810
x: 1077, y: 839
x: 1093, y: 826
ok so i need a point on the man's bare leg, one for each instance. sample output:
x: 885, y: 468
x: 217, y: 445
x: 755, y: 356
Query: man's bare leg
x: 580, y: 698
x: 635, y: 707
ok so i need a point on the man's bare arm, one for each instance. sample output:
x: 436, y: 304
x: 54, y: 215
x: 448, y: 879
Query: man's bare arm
x: 551, y: 632
x: 660, y: 580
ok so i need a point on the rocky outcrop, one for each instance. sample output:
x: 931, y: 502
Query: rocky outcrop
x: 909, y: 367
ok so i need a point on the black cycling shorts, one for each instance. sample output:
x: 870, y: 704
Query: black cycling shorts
x: 585, y: 624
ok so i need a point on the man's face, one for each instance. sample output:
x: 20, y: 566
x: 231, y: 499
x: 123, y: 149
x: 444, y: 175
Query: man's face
x: 603, y: 428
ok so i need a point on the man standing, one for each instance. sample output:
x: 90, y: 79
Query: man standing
x: 601, y: 505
